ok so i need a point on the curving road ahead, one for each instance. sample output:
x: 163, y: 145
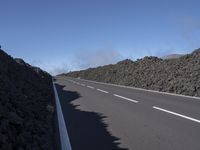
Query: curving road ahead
x: 106, y: 117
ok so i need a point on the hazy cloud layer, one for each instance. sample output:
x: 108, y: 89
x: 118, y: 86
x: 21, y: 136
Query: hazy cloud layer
x: 59, y: 69
x: 53, y: 69
x: 81, y: 60
x: 87, y: 59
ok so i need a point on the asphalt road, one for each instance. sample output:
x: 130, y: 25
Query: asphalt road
x: 106, y: 117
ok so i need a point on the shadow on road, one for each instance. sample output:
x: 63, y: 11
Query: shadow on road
x: 87, y: 131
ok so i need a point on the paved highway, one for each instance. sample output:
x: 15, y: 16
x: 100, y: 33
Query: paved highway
x: 105, y: 117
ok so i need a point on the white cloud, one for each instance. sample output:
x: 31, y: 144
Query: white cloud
x: 58, y: 69
x: 86, y: 59
x: 53, y: 68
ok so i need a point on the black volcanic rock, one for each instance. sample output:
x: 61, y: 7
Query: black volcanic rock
x: 25, y: 93
x: 180, y: 75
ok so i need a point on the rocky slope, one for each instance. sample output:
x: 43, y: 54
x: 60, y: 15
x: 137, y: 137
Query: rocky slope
x: 181, y: 75
x: 26, y: 96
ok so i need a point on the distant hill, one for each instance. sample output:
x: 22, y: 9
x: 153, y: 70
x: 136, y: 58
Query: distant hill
x: 181, y: 75
x: 25, y: 94
x: 172, y: 56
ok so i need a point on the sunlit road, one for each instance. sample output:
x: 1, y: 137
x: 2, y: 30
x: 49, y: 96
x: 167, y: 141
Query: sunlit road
x: 106, y: 117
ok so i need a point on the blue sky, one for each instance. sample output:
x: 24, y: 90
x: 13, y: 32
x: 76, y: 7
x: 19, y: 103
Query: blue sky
x: 63, y: 35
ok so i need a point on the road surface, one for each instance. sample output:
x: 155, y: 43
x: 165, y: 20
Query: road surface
x: 106, y: 117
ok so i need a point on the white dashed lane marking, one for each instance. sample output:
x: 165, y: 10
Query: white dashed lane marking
x: 102, y: 91
x: 126, y: 98
x: 176, y: 114
x: 90, y: 87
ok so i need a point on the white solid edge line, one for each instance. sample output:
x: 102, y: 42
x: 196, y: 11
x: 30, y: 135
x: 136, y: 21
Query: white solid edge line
x: 177, y: 114
x: 135, y: 88
x: 64, y: 138
x: 102, y: 91
x: 90, y: 87
x: 126, y: 98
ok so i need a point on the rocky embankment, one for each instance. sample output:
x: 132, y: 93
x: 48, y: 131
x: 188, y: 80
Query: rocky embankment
x: 180, y: 75
x: 26, y: 98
